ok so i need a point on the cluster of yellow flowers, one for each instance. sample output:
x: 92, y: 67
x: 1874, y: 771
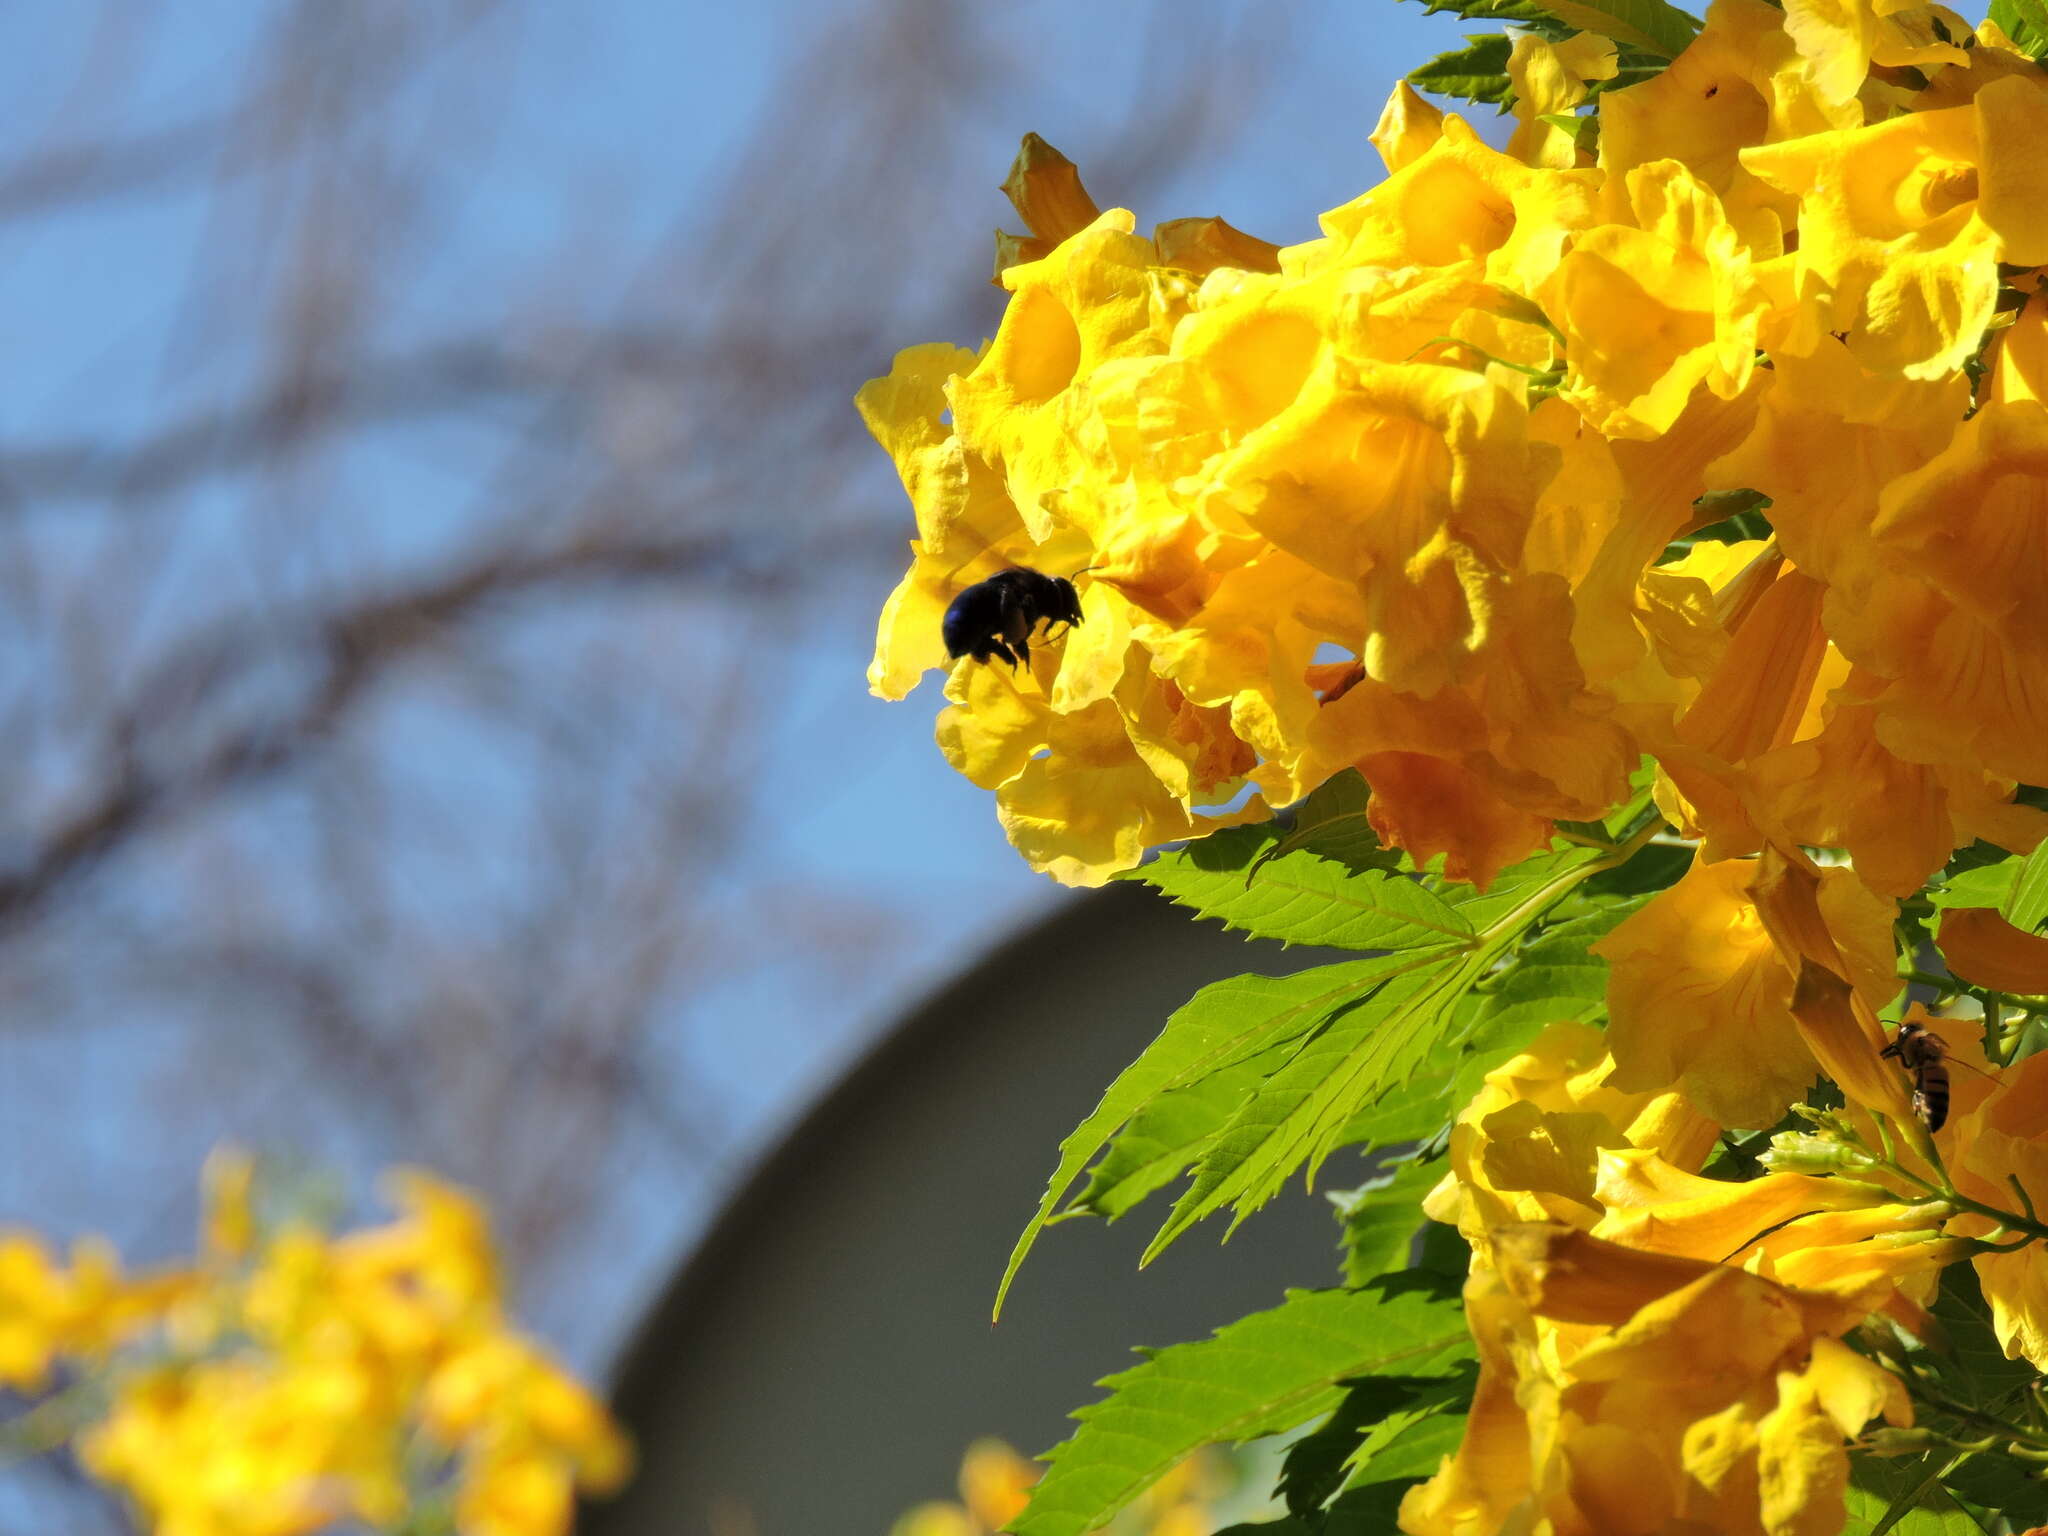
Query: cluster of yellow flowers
x: 291, y: 1381
x: 1399, y: 497
x: 1416, y: 497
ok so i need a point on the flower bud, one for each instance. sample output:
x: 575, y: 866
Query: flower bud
x: 1044, y: 186
x: 1887, y: 1441
x: 1806, y: 1152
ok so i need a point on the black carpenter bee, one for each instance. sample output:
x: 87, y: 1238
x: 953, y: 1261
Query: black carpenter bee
x: 995, y: 617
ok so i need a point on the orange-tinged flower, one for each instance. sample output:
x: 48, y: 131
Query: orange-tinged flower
x: 995, y: 1482
x: 1701, y: 998
x: 1982, y: 947
x: 1625, y: 1391
x: 1842, y: 972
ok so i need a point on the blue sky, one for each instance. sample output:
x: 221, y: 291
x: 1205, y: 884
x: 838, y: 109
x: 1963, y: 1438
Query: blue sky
x: 596, y: 138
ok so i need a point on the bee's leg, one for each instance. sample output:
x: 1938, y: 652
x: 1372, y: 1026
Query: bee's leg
x: 997, y: 648
x: 1023, y: 651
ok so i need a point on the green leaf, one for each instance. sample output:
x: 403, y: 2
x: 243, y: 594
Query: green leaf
x: 1224, y: 1024
x: 1375, y: 1407
x: 1169, y: 1136
x: 1583, y: 128
x: 1296, y: 1115
x: 1721, y: 517
x: 2005, y: 1483
x: 1904, y: 1497
x: 1983, y: 885
x: 1261, y: 1375
x: 2026, y: 906
x: 1381, y: 1218
x: 2025, y: 22
x: 1477, y: 72
x: 1975, y: 1370
x: 1410, y: 1445
x: 1335, y: 821
x: 1364, y: 1051
x: 1445, y: 1080
x: 1649, y: 26
x: 1513, y: 885
x: 1554, y: 978
x: 1302, y: 898
x: 1523, y: 13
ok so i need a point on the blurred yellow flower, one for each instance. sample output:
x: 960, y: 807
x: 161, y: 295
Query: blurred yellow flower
x: 298, y: 1381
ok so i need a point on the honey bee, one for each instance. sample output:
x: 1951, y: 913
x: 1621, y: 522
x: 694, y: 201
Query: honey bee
x: 1920, y: 1051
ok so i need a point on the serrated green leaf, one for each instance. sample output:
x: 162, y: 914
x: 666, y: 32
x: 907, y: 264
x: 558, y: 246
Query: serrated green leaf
x: 1443, y: 1082
x: 1649, y: 26
x: 1335, y: 821
x: 1168, y: 1137
x: 1363, y: 1052
x: 1366, y: 1511
x: 1261, y: 1375
x: 1974, y: 1368
x: 1381, y: 1218
x: 1375, y: 1408
x: 1991, y: 1480
x: 2025, y: 22
x: 1902, y: 1497
x: 1583, y: 128
x: 1982, y: 885
x: 1512, y: 886
x: 1410, y: 1443
x: 1555, y: 978
x: 1476, y: 72
x: 1224, y: 1024
x: 1297, y: 1113
x: 1302, y: 898
x: 1377, y: 1416
x: 1722, y: 517
x: 1523, y: 13
x: 2026, y: 905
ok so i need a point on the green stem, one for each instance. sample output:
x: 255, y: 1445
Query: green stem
x: 1912, y: 973
x: 2000, y: 1427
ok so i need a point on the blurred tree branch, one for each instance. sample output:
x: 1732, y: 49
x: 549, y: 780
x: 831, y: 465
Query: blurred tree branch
x: 408, y: 620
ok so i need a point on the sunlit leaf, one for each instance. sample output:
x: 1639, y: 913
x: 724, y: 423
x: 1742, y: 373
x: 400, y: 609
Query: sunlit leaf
x: 1261, y: 1375
x: 1650, y: 26
x: 1381, y: 1218
x: 1301, y: 897
x: 1476, y: 72
x: 1223, y: 1025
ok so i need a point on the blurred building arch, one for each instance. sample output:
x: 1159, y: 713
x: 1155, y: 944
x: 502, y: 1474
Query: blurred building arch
x: 823, y: 1357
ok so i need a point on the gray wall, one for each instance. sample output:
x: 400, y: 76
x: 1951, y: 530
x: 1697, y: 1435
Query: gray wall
x: 824, y: 1357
